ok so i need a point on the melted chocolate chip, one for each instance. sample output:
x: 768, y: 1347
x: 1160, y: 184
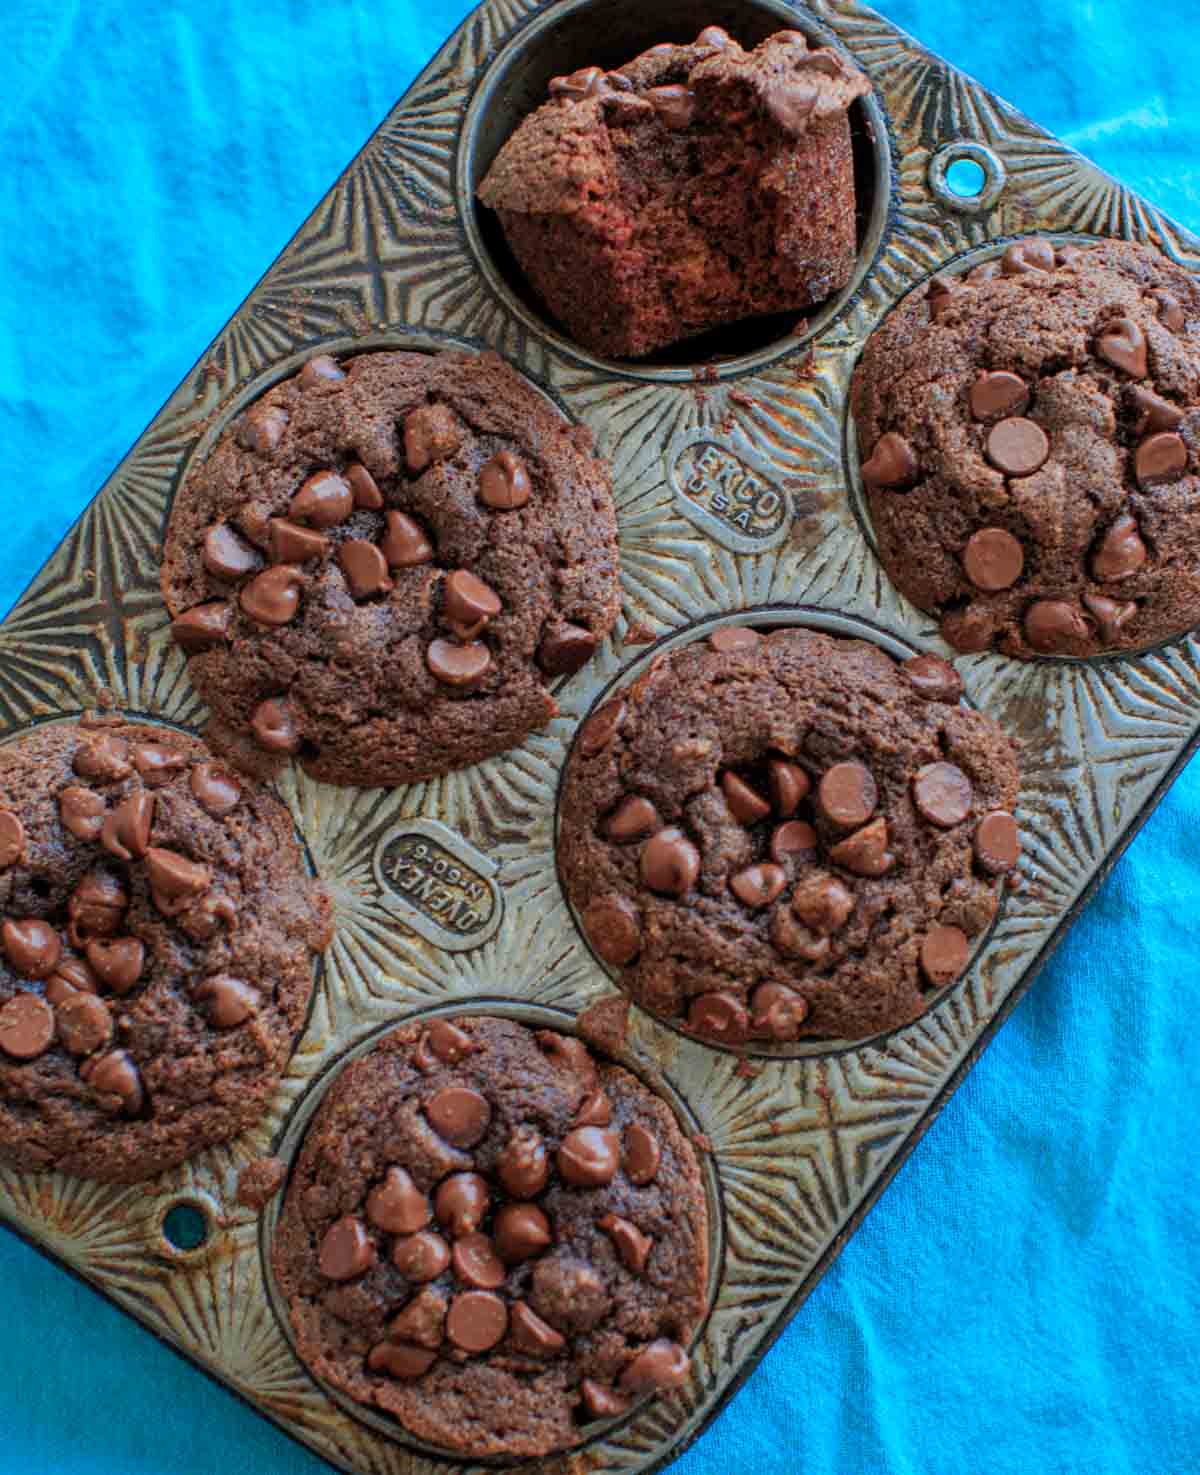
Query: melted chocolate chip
x: 522, y: 1232
x: 719, y: 1016
x: 523, y: 1166
x: 504, y: 482
x: 324, y: 501
x: 588, y: 1157
x: 26, y: 1026
x: 641, y: 1155
x: 347, y: 1249
x: 32, y: 947
x: 669, y: 863
x: 458, y: 1115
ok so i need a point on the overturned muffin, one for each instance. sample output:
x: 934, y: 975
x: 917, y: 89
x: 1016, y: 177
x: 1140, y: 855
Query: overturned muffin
x: 494, y: 1237
x: 1030, y: 439
x: 384, y: 565
x: 695, y: 186
x: 787, y: 835
x: 157, y: 948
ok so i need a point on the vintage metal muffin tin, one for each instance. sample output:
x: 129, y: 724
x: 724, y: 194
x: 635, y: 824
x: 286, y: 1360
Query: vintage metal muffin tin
x: 736, y: 489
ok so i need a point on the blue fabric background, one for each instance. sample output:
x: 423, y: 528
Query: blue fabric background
x: 1024, y: 1299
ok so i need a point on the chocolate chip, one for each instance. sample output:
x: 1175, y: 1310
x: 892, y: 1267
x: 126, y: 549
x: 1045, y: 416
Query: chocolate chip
x: 601, y: 1402
x: 595, y: 1110
x: 1160, y: 458
x: 227, y: 1001
x: 997, y: 842
x: 321, y: 369
x: 523, y: 1166
x: 758, y: 885
x: 633, y: 819
x: 719, y: 1016
x: 641, y: 1155
x: 1151, y: 411
x: 475, y: 1261
x: 997, y: 392
x: 674, y: 104
x: 458, y: 665
x: 788, y: 785
x: 744, y: 804
x: 614, y: 929
x: 421, y: 1257
x: 632, y: 1246
x: 71, y: 976
x: 363, y: 487
x: 291, y: 543
x: 203, y: 626
x: 214, y: 789
x: 601, y: 727
x: 847, y: 794
x: 347, y: 1250
x: 942, y: 794
x: 97, y: 906
x: 822, y: 902
x: 262, y: 428
x: 993, y: 559
x: 531, y: 1334
x: 778, y: 1012
x: 467, y: 599
x: 431, y: 433
x: 32, y: 947
x: 941, y: 294
x: 116, y: 1076
x: 82, y: 812
x: 588, y: 1157
x: 734, y: 637
x: 117, y: 961
x: 461, y: 1202
x: 397, y: 1205
x: 102, y: 757
x: 449, y: 1043
x: 458, y: 1115
x: 1031, y: 255
x: 893, y: 463
x: 565, y: 650
x: 504, y: 482
x: 567, y: 1053
x: 274, y: 727
x: 273, y: 597
x: 522, y: 1232
x: 477, y: 1321
x: 943, y: 955
x: 657, y: 1367
x: 175, y: 875
x: 793, y: 841
x: 1055, y: 625
x: 365, y: 568
x: 933, y: 678
x: 1170, y: 311
x: 405, y: 544
x: 790, y: 101
x: 669, y: 863
x: 422, y: 1321
x: 126, y: 829
x: 323, y: 501
x: 719, y: 39
x: 84, y: 1023
x: 401, y: 1360
x: 865, y: 852
x: 1017, y: 446
x: 156, y: 764
x: 1110, y: 615
x: 27, y: 1026
x: 1123, y: 346
x: 1120, y: 552
x: 226, y: 555
x: 586, y: 82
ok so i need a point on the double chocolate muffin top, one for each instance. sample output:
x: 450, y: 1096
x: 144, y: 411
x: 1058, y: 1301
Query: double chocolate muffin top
x: 493, y: 1237
x: 694, y: 186
x: 1030, y: 437
x: 157, y: 940
x: 384, y: 563
x: 787, y: 835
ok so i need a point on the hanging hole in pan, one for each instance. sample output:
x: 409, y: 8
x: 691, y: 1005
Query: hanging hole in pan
x: 966, y: 177
x: 185, y: 1227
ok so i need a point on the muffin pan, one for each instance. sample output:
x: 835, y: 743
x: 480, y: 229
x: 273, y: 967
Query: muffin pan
x: 737, y: 491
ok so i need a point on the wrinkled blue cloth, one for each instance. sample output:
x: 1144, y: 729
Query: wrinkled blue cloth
x: 1024, y: 1299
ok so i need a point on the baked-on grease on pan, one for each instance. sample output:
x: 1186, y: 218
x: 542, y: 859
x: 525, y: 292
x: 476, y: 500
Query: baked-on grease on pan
x: 787, y: 835
x: 1030, y: 435
x: 157, y: 949
x: 386, y: 562
x: 695, y: 186
x: 494, y: 1236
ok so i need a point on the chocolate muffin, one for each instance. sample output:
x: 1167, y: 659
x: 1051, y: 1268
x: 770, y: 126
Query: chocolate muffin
x: 1030, y: 438
x: 493, y: 1237
x: 384, y: 564
x: 787, y: 835
x: 156, y: 949
x: 695, y: 186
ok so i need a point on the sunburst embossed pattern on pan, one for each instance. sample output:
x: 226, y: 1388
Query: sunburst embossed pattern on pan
x: 732, y: 494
